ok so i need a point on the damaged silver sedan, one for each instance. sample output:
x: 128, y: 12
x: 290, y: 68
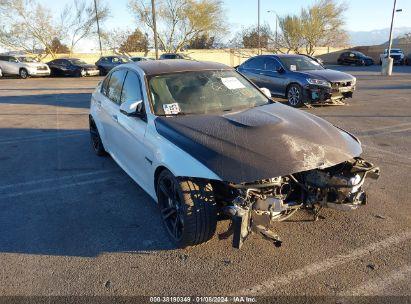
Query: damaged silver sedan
x: 207, y: 144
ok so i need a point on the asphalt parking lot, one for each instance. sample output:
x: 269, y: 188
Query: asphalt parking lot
x: 72, y: 223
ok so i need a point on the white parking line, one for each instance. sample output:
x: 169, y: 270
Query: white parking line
x: 327, y: 264
x: 42, y: 137
x: 375, y: 131
x: 53, y: 179
x: 399, y: 130
x: 47, y: 189
x: 379, y: 285
x: 397, y: 155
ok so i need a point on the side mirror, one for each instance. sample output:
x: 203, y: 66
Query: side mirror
x: 132, y: 108
x: 266, y: 92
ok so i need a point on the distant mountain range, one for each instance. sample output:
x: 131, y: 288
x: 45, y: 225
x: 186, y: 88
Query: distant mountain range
x: 375, y: 36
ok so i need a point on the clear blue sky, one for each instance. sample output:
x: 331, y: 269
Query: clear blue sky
x: 362, y: 15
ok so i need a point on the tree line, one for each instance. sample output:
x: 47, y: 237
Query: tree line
x: 181, y: 24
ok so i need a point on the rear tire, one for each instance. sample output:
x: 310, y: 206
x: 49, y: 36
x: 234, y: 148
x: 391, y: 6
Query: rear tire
x: 81, y: 73
x: 23, y: 74
x: 295, y: 96
x: 188, y: 209
x: 96, y: 142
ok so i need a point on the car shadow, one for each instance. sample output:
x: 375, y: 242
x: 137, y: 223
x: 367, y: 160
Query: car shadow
x: 58, y: 198
x: 70, y: 100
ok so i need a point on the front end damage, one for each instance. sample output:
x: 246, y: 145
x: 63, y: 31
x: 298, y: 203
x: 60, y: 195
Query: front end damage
x: 255, y: 207
x: 323, y: 95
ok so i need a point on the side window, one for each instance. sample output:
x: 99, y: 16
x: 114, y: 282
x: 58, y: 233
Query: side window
x: 131, y: 88
x: 271, y: 64
x: 256, y: 63
x: 104, y: 86
x: 12, y: 59
x: 115, y: 85
x: 115, y: 60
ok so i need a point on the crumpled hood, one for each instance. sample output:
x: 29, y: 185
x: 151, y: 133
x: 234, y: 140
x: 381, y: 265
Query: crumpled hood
x: 259, y: 143
x: 329, y: 75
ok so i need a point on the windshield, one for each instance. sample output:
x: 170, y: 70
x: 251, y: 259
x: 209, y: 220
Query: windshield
x: 77, y: 62
x: 203, y: 92
x: 27, y: 59
x: 300, y: 63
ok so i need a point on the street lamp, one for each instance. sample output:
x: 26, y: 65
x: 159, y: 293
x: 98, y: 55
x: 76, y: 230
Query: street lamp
x: 258, y: 29
x: 388, y: 62
x: 276, y: 26
x: 153, y: 15
x: 98, y: 28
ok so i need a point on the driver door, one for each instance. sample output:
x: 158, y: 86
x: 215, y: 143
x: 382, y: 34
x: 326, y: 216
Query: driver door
x: 132, y: 130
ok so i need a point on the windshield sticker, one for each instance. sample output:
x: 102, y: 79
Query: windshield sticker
x: 232, y: 83
x: 171, y: 108
x: 293, y: 67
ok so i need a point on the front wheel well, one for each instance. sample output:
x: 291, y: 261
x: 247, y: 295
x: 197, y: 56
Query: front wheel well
x: 289, y: 85
x: 159, y: 169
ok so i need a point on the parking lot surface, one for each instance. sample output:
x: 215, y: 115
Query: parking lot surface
x: 74, y: 224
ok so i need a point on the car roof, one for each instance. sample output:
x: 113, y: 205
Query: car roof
x: 157, y: 67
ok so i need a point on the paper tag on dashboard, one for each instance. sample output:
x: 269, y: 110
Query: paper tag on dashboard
x: 171, y: 108
x: 232, y: 83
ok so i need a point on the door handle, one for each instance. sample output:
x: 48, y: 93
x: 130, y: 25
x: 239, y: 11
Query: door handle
x: 115, y: 117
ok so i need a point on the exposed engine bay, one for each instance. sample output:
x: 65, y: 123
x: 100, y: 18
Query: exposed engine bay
x: 254, y: 207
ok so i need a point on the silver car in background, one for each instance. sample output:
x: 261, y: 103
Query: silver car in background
x: 22, y: 66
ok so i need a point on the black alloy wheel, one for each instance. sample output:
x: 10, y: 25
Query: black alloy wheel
x: 96, y: 142
x: 188, y: 209
x: 171, y: 206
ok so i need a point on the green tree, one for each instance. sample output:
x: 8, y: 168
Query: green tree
x: 203, y: 41
x: 292, y: 37
x: 135, y: 42
x: 27, y: 25
x: 322, y: 25
x: 59, y: 48
x: 250, y: 37
x: 180, y: 21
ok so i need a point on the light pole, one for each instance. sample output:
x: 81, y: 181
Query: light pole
x: 98, y: 28
x: 276, y: 27
x: 153, y: 12
x: 258, y: 29
x: 388, y: 62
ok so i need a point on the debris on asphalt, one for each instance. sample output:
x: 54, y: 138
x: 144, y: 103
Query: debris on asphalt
x: 372, y: 266
x: 226, y: 262
x: 380, y: 216
x: 107, y: 284
x: 183, y: 257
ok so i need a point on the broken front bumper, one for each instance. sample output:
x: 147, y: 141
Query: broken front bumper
x: 327, y: 95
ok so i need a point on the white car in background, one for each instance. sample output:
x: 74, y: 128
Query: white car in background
x: 22, y: 66
x: 396, y: 54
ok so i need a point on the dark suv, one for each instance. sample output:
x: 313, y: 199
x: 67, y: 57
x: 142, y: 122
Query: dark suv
x: 354, y: 57
x: 106, y: 63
